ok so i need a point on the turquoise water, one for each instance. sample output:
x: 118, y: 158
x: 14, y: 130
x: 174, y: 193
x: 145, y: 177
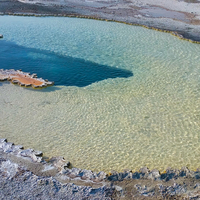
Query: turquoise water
x: 124, y: 96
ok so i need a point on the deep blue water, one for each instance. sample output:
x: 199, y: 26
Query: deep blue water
x: 63, y: 70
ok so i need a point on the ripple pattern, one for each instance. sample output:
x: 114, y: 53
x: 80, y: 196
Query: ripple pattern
x: 149, y: 119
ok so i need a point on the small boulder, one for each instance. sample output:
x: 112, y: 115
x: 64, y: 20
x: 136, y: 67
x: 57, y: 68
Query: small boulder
x: 3, y: 140
x: 32, y: 154
x: 87, y: 174
x: 16, y: 149
x: 154, y: 175
x: 8, y: 147
x: 102, y: 175
x: 38, y: 153
x: 144, y: 170
x: 27, y: 152
x: 75, y: 172
x: 59, y: 162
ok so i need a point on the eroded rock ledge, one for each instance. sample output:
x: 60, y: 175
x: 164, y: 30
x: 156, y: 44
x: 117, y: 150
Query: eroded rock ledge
x: 23, y: 79
x: 27, y: 170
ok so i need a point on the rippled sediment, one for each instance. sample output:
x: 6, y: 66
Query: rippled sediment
x: 149, y: 118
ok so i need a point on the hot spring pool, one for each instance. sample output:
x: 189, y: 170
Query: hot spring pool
x: 124, y: 96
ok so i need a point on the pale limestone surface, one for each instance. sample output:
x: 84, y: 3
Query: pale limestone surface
x: 170, y: 4
x: 174, y: 15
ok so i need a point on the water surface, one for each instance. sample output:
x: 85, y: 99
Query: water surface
x: 125, y: 96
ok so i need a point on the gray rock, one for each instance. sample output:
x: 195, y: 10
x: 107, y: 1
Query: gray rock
x: 17, y: 147
x: 27, y: 152
x: 9, y: 169
x: 102, y: 175
x: 50, y: 83
x: 118, y: 188
x: 26, y: 185
x: 197, y: 174
x: 113, y: 176
x: 121, y: 176
x: 145, y: 191
x: 186, y: 172
x: 1, y: 36
x: 15, y: 81
x: 38, y: 153
x: 7, y: 146
x: 144, y: 170
x: 176, y: 189
x: 34, y: 75
x: 197, y: 186
x: 59, y: 162
x: 75, y: 172
x: 136, y: 175
x: 154, y: 175
x: 3, y: 140
x: 170, y: 174
x: 88, y: 174
x: 128, y: 174
x: 36, y: 158
x: 31, y: 154
x: 2, y: 144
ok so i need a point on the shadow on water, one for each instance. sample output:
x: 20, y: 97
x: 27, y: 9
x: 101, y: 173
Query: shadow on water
x: 63, y: 70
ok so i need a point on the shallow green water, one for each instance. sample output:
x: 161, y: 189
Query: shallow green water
x: 149, y: 118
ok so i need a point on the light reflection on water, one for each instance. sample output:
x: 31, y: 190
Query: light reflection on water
x: 148, y: 118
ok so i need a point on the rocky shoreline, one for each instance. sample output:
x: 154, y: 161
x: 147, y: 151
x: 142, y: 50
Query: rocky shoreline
x: 27, y: 170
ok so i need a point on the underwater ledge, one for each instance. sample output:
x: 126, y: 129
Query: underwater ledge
x: 28, y: 169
